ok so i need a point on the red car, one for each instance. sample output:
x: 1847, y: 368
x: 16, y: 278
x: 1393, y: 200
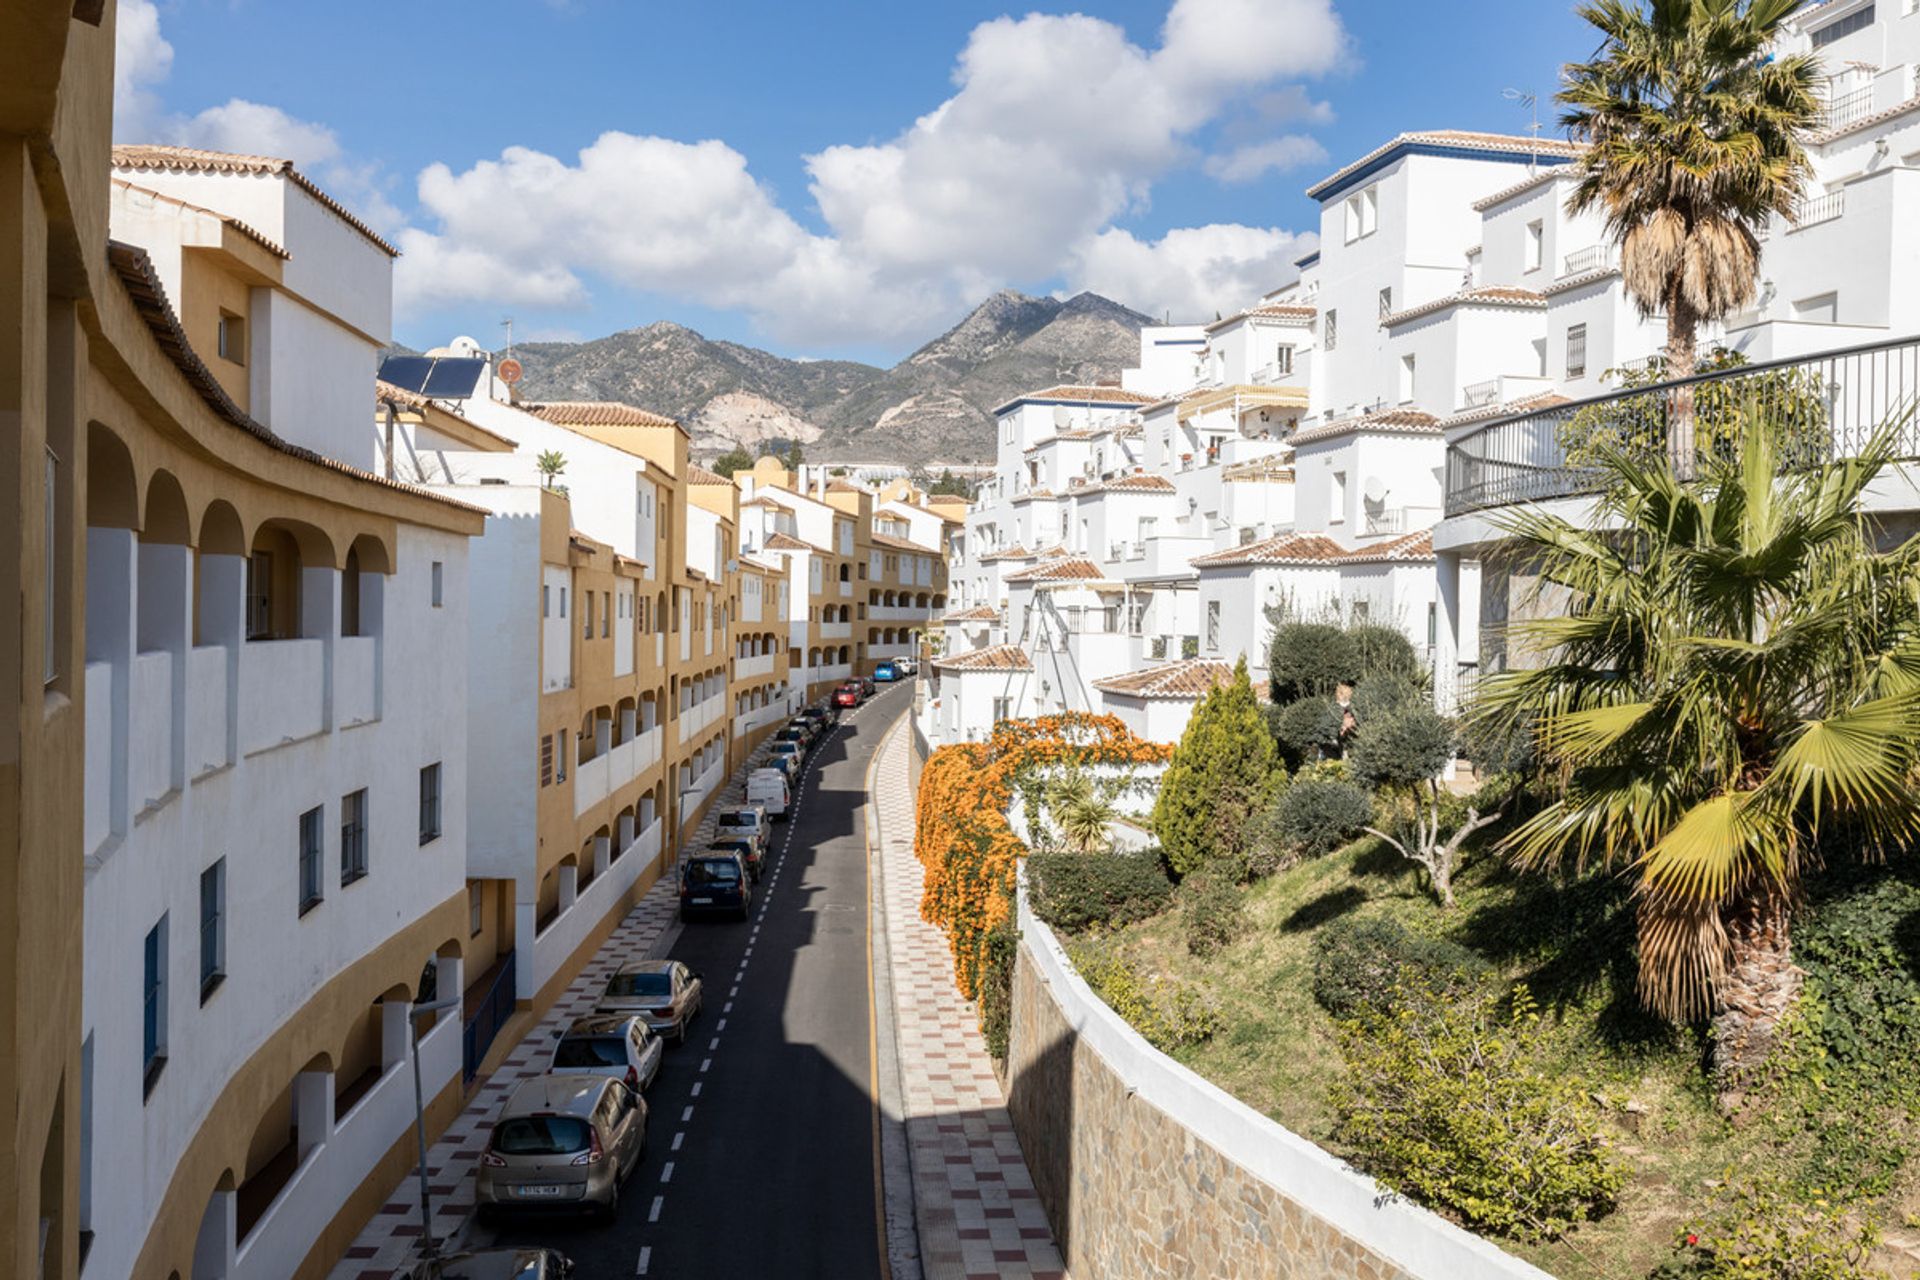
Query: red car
x: 847, y: 695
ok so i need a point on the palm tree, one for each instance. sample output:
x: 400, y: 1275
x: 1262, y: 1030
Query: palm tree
x: 550, y: 464
x: 1736, y: 675
x: 1695, y: 135
x: 1080, y: 811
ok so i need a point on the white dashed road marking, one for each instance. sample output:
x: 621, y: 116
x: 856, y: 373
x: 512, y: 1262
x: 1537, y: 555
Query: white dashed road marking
x: 666, y: 1172
x: 646, y: 1256
x: 653, y: 1214
x: 679, y: 1138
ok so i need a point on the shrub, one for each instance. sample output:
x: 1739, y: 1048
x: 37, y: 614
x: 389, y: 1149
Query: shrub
x: 1318, y: 815
x: 1379, y: 695
x: 1075, y: 891
x: 1360, y: 965
x: 1219, y: 779
x: 1761, y: 1232
x: 1001, y: 948
x: 1452, y: 1103
x: 1310, y: 660
x: 1212, y: 913
x: 1170, y: 1015
x: 1307, y: 729
x: 1383, y: 652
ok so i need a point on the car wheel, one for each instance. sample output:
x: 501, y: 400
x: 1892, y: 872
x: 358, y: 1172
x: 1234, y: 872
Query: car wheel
x: 680, y: 1030
x: 485, y: 1215
x: 611, y: 1209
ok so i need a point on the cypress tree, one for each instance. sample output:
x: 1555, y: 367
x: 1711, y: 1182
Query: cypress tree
x: 1219, y: 779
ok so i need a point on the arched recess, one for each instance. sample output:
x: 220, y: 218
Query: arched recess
x: 113, y: 493
x: 166, y: 519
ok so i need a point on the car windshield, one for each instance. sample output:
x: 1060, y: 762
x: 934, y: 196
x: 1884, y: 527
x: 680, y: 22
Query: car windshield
x: 515, y: 1264
x: 713, y: 871
x: 739, y: 820
x: 733, y: 846
x: 640, y: 984
x: 591, y: 1051
x: 540, y: 1136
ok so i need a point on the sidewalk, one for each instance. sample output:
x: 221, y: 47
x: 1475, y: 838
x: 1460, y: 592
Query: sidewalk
x: 974, y: 1200
x: 391, y: 1238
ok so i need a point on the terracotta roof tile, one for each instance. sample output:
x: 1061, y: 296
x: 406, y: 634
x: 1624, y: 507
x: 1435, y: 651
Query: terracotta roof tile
x: 845, y: 486
x: 1014, y: 552
x: 1183, y: 680
x: 154, y: 158
x: 1411, y: 546
x: 1267, y: 311
x: 596, y: 413
x: 1135, y: 484
x: 700, y: 475
x: 149, y: 298
x: 1060, y: 569
x: 1081, y: 395
x: 402, y: 397
x: 979, y: 613
x: 786, y: 542
x: 1524, y: 185
x: 1485, y: 296
x: 899, y: 544
x: 1001, y: 657
x: 1488, y: 412
x: 1402, y: 420
x: 1288, y: 548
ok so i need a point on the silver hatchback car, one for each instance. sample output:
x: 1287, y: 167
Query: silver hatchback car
x: 563, y: 1142
x: 608, y: 1045
x: 666, y: 993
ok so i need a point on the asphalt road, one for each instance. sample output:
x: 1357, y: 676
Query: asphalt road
x: 760, y: 1144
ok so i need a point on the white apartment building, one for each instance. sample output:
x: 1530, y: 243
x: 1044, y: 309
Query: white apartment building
x: 275, y: 776
x: 1841, y: 275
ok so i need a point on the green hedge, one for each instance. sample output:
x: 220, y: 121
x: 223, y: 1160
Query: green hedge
x: 1076, y: 891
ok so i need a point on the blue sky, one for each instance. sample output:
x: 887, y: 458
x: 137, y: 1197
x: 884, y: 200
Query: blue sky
x: 818, y: 220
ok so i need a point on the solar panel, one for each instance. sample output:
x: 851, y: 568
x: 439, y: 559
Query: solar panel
x: 454, y: 378
x: 409, y: 372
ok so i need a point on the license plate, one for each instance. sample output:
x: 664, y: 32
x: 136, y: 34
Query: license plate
x: 542, y: 1190
x: 703, y: 902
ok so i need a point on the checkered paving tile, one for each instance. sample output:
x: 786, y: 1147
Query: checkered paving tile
x: 973, y: 1196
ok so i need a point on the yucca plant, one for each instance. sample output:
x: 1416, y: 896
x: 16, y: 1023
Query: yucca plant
x: 1734, y: 674
x: 1080, y: 812
x: 1695, y: 134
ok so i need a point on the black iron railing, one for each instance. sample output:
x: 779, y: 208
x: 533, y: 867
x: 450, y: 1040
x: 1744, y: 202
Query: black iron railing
x: 1828, y: 406
x: 491, y: 1014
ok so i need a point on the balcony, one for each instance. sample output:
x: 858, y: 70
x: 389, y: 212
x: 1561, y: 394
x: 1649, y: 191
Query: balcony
x: 1504, y: 389
x: 354, y: 699
x: 1596, y: 257
x: 1817, y: 209
x: 754, y: 668
x: 1398, y: 520
x: 282, y: 687
x: 836, y: 631
x: 1839, y: 397
x: 1856, y: 104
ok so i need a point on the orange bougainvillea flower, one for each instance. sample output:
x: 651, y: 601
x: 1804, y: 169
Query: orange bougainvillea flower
x: 961, y: 833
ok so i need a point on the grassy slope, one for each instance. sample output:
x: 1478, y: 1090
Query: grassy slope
x: 1277, y: 1052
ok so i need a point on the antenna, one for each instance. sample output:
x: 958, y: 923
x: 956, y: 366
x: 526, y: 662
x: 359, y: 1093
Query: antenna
x: 1531, y: 102
x: 508, y: 325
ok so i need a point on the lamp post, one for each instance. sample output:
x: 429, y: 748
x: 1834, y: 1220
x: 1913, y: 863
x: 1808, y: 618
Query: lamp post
x: 427, y: 1242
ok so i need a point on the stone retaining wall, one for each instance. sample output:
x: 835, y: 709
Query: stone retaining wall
x: 1146, y: 1170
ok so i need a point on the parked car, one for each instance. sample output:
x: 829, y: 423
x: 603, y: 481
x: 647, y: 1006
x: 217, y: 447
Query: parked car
x: 665, y: 994
x: 786, y: 765
x: 563, y: 1142
x: 847, y: 695
x: 867, y: 687
x: 619, y: 1045
x: 886, y: 673
x: 768, y: 789
x: 802, y: 738
x: 715, y: 884
x: 745, y: 820
x: 822, y: 718
x: 494, y: 1264
x: 795, y: 752
x: 749, y: 850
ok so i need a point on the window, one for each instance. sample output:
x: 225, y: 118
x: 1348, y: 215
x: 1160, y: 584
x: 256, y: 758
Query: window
x: 1386, y: 302
x: 213, y: 928
x: 560, y: 763
x: 1363, y: 214
x: 1330, y: 338
x: 1576, y: 351
x: 233, y: 338
x: 476, y: 909
x: 437, y: 576
x: 546, y: 601
x: 1536, y: 244
x: 153, y: 994
x: 260, y: 595
x: 1359, y: 612
x: 1433, y: 625
x: 1859, y: 20
x: 1406, y: 378
x: 1002, y: 709
x: 546, y: 760
x: 1338, y: 512
x: 1283, y: 360
x: 311, y: 848
x: 606, y: 616
x: 563, y: 602
x: 50, y: 590
x: 430, y: 803
x: 353, y: 837
x: 1213, y: 624
x: 586, y: 611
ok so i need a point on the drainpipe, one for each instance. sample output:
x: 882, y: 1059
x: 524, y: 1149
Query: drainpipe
x: 390, y: 421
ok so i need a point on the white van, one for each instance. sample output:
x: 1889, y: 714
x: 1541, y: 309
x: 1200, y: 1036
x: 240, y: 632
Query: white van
x: 768, y: 789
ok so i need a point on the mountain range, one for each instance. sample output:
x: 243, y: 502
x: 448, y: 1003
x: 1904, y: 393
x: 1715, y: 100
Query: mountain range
x: 934, y: 406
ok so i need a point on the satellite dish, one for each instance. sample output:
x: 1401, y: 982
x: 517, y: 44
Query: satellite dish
x: 1376, y: 489
x: 510, y: 371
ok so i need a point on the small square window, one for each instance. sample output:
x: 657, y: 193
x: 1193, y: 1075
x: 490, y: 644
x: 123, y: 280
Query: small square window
x: 233, y: 338
x: 438, y: 576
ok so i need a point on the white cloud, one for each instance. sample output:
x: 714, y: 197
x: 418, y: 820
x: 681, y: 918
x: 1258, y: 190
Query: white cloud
x: 142, y: 59
x: 1256, y: 160
x: 1191, y: 272
x: 1057, y: 127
